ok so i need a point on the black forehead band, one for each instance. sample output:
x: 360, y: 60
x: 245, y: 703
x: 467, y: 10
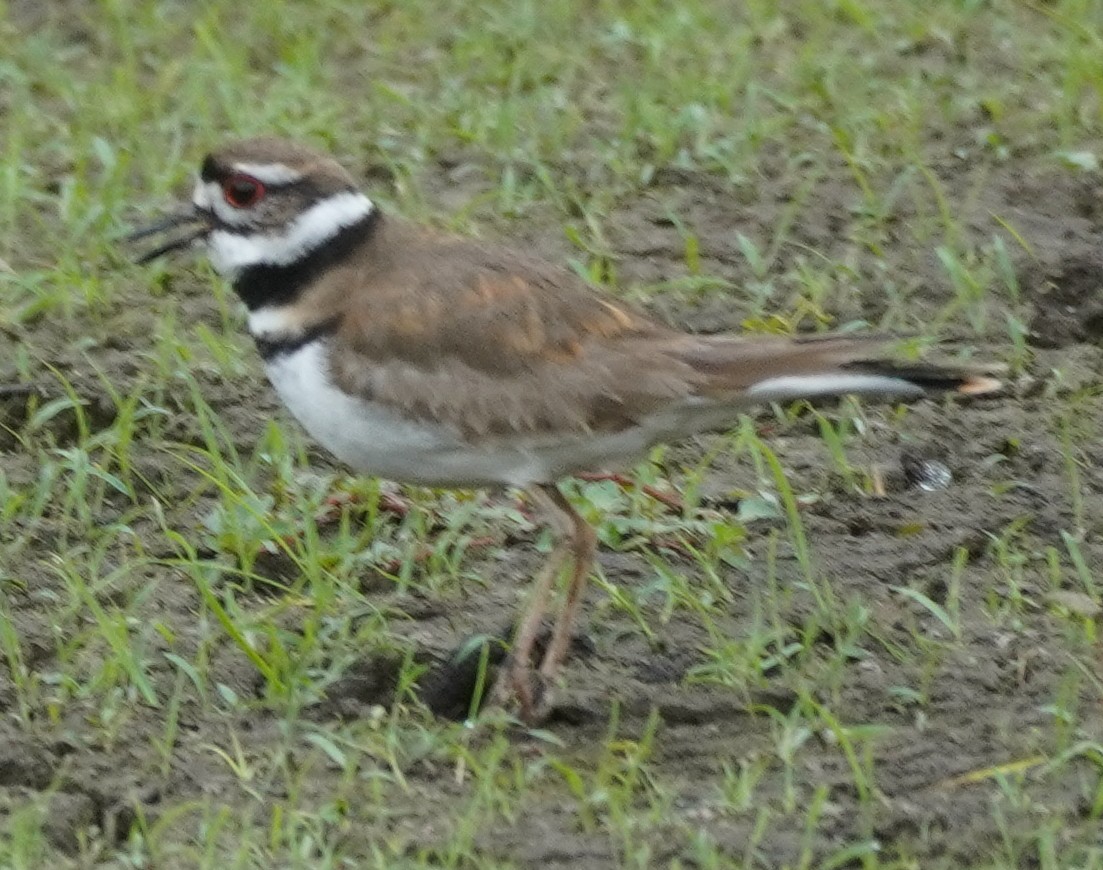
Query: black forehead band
x: 210, y: 170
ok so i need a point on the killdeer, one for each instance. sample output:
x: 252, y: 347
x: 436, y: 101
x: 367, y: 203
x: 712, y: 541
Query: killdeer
x: 445, y: 361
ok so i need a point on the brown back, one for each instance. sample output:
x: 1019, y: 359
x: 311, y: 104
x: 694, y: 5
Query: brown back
x: 495, y: 342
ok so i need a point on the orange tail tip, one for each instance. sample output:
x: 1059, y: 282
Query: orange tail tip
x: 979, y: 385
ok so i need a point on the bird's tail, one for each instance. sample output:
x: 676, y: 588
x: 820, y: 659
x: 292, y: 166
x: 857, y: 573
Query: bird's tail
x: 781, y: 369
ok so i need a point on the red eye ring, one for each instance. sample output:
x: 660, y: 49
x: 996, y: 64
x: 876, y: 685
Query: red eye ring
x: 242, y: 191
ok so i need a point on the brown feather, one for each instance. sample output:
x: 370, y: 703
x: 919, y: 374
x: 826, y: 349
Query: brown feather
x: 491, y: 341
x: 494, y: 343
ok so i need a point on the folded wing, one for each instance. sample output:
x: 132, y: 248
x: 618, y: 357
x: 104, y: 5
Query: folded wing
x: 502, y: 344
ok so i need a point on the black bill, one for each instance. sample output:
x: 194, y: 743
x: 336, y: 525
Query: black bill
x: 195, y: 226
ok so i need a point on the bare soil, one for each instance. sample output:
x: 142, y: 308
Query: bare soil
x: 987, y: 697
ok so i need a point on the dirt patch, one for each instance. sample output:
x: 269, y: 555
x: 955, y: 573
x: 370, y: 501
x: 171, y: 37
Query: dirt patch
x: 958, y: 708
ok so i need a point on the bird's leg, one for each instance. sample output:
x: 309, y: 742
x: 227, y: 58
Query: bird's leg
x: 515, y: 679
x: 583, y: 544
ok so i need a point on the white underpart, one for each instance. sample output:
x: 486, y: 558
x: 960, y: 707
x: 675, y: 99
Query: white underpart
x: 809, y: 386
x: 374, y: 439
x: 270, y: 173
x: 231, y: 251
x: 361, y: 433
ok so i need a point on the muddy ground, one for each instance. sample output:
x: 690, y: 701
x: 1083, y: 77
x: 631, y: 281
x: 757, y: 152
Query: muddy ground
x: 988, y: 694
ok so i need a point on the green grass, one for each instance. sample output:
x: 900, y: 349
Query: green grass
x: 900, y: 682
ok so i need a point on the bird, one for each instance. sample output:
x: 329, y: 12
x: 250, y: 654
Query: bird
x: 438, y: 359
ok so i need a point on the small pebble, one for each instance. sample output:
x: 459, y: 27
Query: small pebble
x: 928, y: 475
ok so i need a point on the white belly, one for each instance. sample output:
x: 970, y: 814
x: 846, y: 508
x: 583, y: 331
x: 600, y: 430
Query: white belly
x: 372, y: 438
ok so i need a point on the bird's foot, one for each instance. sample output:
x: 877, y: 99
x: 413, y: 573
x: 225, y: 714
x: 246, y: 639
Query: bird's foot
x: 523, y: 690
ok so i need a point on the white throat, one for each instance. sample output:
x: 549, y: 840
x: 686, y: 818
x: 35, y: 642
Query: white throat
x: 232, y: 251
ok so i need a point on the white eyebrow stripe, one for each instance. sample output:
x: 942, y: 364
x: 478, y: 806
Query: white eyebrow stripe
x: 270, y: 173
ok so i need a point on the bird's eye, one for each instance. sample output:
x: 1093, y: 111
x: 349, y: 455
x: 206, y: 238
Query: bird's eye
x: 242, y: 191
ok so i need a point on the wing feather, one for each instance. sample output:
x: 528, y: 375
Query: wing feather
x: 497, y: 343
